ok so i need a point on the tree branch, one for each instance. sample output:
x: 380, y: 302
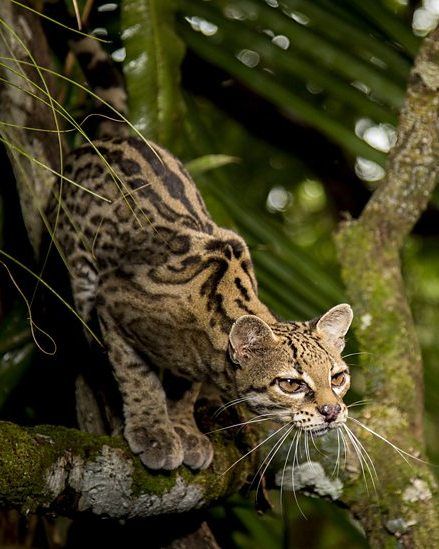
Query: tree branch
x: 369, y: 249
x: 68, y: 471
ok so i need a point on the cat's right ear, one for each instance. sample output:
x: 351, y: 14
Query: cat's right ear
x: 247, y: 334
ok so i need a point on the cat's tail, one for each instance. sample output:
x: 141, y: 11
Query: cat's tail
x: 103, y: 77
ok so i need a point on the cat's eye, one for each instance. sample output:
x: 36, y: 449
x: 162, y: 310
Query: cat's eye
x: 289, y: 385
x: 338, y: 379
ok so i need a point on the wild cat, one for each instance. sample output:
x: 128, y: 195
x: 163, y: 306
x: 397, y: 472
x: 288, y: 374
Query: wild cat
x: 173, y: 291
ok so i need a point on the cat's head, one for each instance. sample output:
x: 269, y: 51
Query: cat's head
x: 293, y: 370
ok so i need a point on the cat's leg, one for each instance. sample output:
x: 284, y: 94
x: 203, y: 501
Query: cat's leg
x: 198, y: 450
x: 148, y: 428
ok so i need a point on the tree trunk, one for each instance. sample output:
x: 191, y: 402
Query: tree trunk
x: 369, y: 251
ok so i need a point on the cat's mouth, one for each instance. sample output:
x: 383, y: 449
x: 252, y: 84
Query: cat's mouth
x: 318, y: 431
x: 321, y: 429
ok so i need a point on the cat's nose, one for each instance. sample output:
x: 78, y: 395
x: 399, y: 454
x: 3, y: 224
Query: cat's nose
x: 330, y: 411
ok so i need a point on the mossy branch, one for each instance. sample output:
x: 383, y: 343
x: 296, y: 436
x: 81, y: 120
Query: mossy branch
x: 369, y: 252
x: 58, y: 469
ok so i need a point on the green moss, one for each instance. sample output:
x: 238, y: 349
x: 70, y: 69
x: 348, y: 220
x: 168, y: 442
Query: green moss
x: 146, y: 482
x: 21, y: 465
x: 371, y: 269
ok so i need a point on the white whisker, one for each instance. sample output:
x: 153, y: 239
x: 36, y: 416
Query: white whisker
x: 255, y: 448
x: 234, y: 402
x: 283, y: 470
x: 361, y: 451
x: 356, y: 354
x: 359, y: 456
x: 308, y: 456
x: 315, y: 446
x: 345, y: 450
x: 359, y: 403
x: 401, y: 452
x: 296, y: 460
x: 305, y: 446
x: 272, y: 453
x: 255, y: 419
x: 366, y: 453
x: 337, y: 461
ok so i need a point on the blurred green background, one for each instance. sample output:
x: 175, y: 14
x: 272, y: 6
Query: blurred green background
x: 284, y: 112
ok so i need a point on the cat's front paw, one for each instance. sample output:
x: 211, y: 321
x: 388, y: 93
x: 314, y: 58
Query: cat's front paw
x: 158, y: 448
x: 197, y: 448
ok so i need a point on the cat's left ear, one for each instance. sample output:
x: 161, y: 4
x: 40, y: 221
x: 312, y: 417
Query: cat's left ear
x: 334, y: 325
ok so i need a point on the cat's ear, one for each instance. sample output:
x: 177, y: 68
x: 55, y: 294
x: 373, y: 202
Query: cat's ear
x: 248, y: 333
x: 334, y: 324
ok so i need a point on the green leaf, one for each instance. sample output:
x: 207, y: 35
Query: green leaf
x: 323, y: 54
x: 268, y: 87
x: 152, y: 69
x: 327, y: 23
x: 265, y: 531
x: 209, y: 162
x: 388, y: 23
x: 239, y: 36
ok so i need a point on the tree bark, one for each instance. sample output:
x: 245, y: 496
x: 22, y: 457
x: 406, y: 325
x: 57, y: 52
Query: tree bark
x: 369, y: 252
x: 50, y: 468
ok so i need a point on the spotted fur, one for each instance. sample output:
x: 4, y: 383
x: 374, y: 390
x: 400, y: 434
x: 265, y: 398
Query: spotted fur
x: 174, y: 291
